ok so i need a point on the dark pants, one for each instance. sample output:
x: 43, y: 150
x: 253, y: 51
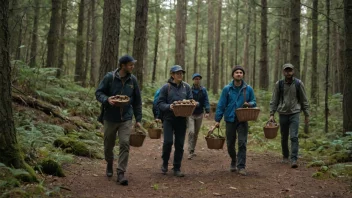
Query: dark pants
x: 289, y: 127
x: 178, y: 127
x: 242, y: 129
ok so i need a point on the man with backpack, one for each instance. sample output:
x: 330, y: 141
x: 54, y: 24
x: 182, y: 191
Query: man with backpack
x: 118, y: 120
x: 289, y: 99
x: 200, y: 95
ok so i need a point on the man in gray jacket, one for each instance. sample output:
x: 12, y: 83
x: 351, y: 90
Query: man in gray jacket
x: 289, y: 99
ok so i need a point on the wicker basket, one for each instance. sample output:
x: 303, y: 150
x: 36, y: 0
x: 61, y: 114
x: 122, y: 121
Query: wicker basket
x: 137, y: 139
x: 184, y: 110
x: 247, y: 114
x: 155, y: 133
x: 270, y: 130
x: 214, y: 142
x: 121, y: 103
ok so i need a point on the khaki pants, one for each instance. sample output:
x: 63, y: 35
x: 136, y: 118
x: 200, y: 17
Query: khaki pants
x: 123, y: 130
x: 194, y: 123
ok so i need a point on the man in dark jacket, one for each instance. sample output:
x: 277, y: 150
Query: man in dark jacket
x: 174, y: 90
x: 118, y: 120
x: 234, y: 96
x: 289, y: 99
x: 200, y: 95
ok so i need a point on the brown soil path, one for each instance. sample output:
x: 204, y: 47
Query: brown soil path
x: 207, y: 175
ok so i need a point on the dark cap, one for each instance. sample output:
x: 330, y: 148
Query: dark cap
x: 126, y: 59
x: 237, y: 67
x: 287, y: 65
x: 176, y: 68
x: 196, y: 75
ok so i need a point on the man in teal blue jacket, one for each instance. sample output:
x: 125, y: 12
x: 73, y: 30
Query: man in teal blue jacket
x: 118, y: 120
x: 232, y: 98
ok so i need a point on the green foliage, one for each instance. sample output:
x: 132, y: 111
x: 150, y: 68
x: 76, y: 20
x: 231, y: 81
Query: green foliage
x: 51, y: 167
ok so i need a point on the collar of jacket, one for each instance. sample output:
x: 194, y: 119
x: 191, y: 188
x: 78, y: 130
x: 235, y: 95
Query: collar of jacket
x: 117, y: 74
x: 243, y: 85
x: 174, y: 84
x: 198, y: 88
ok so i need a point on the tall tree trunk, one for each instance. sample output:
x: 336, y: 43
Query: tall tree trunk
x: 195, y: 58
x: 222, y: 66
x: 264, y: 74
x: 295, y: 36
x: 53, y: 35
x: 94, y: 69
x: 342, y: 60
x: 62, y: 39
x: 347, y: 97
x: 79, y: 68
x: 129, y: 28
x: 9, y: 148
x: 254, y: 47
x: 111, y: 34
x: 337, y: 61
x: 34, y: 43
x: 156, y: 45
x: 305, y: 60
x: 168, y: 42
x: 139, y: 41
x: 327, y: 66
x: 314, y: 81
x: 180, y: 35
x: 246, y: 42
x: 88, y: 47
x: 217, y: 50
x: 277, y: 59
x: 210, y: 41
x: 15, y: 21
x: 236, y: 34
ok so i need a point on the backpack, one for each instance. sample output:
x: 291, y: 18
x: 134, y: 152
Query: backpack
x: 102, y: 107
x: 200, y: 94
x: 281, y: 89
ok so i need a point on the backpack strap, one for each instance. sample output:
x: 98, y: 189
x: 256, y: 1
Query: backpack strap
x: 281, y: 91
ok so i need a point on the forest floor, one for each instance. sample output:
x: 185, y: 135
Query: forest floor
x: 207, y: 175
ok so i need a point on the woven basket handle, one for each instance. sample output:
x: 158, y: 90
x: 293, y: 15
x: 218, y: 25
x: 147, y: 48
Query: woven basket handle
x: 211, y: 130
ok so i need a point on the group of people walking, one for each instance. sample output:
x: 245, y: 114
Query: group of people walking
x: 288, y: 99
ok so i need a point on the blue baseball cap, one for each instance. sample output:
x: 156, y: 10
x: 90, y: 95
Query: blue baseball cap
x: 196, y: 75
x: 176, y: 68
x: 126, y: 59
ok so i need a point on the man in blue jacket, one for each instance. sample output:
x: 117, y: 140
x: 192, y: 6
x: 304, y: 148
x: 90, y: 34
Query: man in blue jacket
x: 232, y: 98
x: 176, y: 89
x: 200, y: 95
x: 119, y: 119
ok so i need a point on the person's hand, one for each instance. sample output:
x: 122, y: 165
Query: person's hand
x: 138, y: 125
x: 246, y: 104
x: 217, y: 124
x: 157, y: 120
x: 271, y: 118
x: 197, y: 104
x: 171, y: 107
x: 306, y: 120
x: 206, y: 115
x: 110, y: 100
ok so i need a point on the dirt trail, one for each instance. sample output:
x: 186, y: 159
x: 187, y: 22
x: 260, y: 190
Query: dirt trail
x: 207, y: 175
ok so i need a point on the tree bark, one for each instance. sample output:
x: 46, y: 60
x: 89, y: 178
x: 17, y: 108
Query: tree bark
x: 14, y: 26
x: 217, y: 50
x: 34, y: 43
x: 210, y: 41
x: 246, y: 41
x: 9, y: 148
x: 236, y: 34
x: 305, y: 60
x: 168, y: 42
x: 347, y: 97
x: 53, y: 35
x: 295, y: 36
x: 88, y: 47
x: 139, y: 41
x: 195, y: 58
x: 327, y: 66
x: 314, y: 81
x: 79, y: 67
x: 255, y: 47
x: 180, y: 35
x: 264, y: 74
x: 94, y: 68
x: 156, y: 45
x: 110, y: 39
x: 62, y: 39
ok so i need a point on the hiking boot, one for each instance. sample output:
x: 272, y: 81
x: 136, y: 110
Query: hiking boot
x: 285, y: 161
x: 233, y: 168
x: 191, y: 155
x: 121, y: 179
x: 242, y: 171
x: 164, y: 168
x: 109, y: 171
x: 294, y: 164
x: 178, y: 173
